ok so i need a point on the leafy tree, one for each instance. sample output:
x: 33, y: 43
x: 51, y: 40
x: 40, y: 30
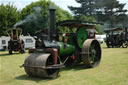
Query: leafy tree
x: 9, y: 15
x: 36, y: 16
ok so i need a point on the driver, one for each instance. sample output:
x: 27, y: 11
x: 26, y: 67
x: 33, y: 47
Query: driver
x: 92, y: 32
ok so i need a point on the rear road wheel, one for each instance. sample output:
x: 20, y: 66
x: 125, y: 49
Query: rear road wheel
x: 91, y: 53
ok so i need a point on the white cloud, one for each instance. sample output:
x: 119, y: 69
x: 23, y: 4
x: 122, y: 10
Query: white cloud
x: 21, y: 5
x: 65, y: 3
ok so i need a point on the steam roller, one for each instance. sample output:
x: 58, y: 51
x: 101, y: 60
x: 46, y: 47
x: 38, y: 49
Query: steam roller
x: 55, y: 50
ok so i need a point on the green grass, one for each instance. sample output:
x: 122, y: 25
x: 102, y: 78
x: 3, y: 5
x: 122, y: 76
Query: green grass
x: 113, y: 70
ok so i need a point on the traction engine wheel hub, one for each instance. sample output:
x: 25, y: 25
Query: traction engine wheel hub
x: 91, y: 53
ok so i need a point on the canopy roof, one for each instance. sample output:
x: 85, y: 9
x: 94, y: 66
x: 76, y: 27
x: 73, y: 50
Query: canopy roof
x: 75, y: 23
x: 11, y: 29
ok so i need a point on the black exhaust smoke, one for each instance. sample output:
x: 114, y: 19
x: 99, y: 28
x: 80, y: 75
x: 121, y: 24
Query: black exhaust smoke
x: 52, y: 32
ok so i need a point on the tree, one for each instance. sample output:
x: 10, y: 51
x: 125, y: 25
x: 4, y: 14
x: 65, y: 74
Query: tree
x: 111, y: 11
x: 87, y: 8
x: 36, y: 16
x: 86, y: 11
x: 9, y: 15
x: 85, y: 18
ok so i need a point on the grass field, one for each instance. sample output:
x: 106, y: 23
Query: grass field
x: 113, y: 70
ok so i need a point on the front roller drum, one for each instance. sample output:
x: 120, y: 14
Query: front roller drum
x: 41, y: 65
x: 91, y: 53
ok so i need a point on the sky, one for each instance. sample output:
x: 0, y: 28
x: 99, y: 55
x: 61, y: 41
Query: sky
x: 61, y: 3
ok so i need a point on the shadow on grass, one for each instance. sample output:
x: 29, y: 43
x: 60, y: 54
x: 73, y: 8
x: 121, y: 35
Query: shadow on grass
x: 110, y: 47
x: 104, y: 47
x: 36, y: 79
x: 126, y: 52
x: 75, y: 67
x: 7, y: 54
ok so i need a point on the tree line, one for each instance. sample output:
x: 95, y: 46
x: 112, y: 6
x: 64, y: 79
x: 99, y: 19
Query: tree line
x: 35, y: 15
x: 111, y: 12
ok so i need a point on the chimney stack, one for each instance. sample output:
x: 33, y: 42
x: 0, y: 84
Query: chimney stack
x: 52, y: 32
